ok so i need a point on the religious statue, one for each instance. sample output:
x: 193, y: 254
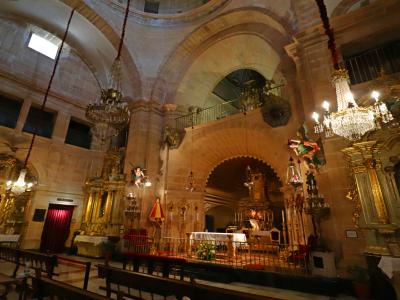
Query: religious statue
x: 311, y: 151
x: 137, y: 176
x: 172, y: 137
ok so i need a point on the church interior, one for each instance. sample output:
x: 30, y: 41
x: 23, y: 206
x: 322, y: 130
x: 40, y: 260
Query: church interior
x: 200, y: 149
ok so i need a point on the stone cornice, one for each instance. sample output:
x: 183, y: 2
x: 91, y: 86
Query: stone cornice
x: 171, y: 19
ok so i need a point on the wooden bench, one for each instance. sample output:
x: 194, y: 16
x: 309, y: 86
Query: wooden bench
x: 45, y: 287
x: 152, y: 263
x: 34, y: 260
x: 6, y: 281
x: 133, y: 285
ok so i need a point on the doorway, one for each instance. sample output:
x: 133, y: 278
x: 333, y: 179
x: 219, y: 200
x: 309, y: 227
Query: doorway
x: 56, y: 228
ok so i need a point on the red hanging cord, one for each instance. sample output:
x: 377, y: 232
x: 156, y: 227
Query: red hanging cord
x: 121, y: 41
x: 329, y: 32
x: 49, y: 86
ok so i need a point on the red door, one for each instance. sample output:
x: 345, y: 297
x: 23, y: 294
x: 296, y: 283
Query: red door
x: 56, y: 228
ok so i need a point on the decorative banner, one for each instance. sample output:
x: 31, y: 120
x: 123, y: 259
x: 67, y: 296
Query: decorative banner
x: 156, y: 213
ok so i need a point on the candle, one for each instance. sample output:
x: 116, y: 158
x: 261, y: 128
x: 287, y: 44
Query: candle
x: 283, y: 216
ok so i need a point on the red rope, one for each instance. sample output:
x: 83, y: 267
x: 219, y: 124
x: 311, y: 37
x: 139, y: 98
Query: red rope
x: 329, y: 32
x: 50, y: 83
x: 121, y: 41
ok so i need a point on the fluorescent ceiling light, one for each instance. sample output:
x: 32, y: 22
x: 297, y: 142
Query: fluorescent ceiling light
x: 43, y: 46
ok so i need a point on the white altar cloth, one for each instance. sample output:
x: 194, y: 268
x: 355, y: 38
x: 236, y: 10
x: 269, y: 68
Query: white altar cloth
x: 389, y: 265
x: 218, y: 236
x: 9, y: 238
x: 95, y: 240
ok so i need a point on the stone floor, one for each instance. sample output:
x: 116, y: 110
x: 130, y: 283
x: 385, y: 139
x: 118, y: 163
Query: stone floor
x: 73, y: 273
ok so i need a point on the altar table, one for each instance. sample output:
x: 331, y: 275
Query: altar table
x: 9, y: 239
x: 90, y: 245
x: 218, y: 236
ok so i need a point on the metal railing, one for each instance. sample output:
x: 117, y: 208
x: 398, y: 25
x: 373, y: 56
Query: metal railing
x: 253, y: 254
x: 203, y: 116
x: 368, y: 65
x: 220, y: 111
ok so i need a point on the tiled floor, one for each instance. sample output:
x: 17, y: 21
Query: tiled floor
x: 73, y: 273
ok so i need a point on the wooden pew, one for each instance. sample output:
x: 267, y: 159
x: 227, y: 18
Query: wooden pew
x: 45, y: 287
x: 154, y: 262
x: 35, y: 260
x: 132, y: 285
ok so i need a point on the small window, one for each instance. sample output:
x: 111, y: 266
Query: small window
x: 40, y: 122
x: 9, y: 112
x: 43, y: 46
x: 78, y: 135
x: 151, y: 7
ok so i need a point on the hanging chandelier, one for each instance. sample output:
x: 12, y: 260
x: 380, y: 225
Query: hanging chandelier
x: 350, y: 120
x: 20, y: 186
x: 110, y: 113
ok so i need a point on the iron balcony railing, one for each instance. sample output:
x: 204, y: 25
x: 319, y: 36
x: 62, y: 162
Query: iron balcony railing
x: 219, y: 111
x: 369, y: 64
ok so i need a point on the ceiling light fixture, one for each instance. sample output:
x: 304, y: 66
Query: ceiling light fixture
x: 110, y: 113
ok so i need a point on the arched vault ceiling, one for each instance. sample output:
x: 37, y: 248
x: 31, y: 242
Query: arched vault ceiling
x: 92, y: 38
x: 252, y: 20
x: 229, y: 54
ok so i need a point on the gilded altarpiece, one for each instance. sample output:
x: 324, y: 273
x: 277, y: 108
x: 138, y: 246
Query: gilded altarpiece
x: 13, y: 208
x: 104, y: 199
x: 375, y: 192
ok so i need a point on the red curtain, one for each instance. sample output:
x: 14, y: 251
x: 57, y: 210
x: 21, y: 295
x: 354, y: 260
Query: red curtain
x: 56, y: 228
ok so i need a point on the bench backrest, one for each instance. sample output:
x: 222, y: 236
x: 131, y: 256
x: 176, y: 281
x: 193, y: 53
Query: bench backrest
x: 35, y: 260
x: 45, y: 287
x: 131, y: 283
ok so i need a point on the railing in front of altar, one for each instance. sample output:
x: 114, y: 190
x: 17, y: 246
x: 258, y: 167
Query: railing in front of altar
x: 253, y: 254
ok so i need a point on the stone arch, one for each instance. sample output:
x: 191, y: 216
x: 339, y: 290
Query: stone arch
x: 86, y: 25
x: 225, y: 138
x: 238, y: 21
x: 204, y: 73
x: 239, y: 156
x: 343, y: 7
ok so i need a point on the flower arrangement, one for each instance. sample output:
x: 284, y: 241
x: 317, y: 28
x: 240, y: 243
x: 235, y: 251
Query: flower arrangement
x: 206, y: 251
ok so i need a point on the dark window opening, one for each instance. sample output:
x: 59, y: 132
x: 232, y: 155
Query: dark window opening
x: 40, y: 122
x: 78, y: 134
x: 9, y: 111
x: 151, y: 7
x: 367, y: 65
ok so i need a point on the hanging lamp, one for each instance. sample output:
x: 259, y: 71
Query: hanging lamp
x: 350, y: 120
x: 293, y: 174
x: 249, y: 180
x: 110, y: 114
x: 20, y: 185
x: 190, y: 179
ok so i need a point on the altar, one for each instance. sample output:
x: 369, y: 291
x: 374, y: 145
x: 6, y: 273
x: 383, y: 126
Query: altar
x: 90, y: 245
x: 219, y: 237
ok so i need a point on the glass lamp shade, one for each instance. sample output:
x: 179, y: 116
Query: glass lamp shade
x: 20, y: 186
x: 130, y: 190
x: 293, y: 175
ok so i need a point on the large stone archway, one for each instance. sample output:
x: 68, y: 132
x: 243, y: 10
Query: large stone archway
x: 216, y: 142
x: 254, y: 21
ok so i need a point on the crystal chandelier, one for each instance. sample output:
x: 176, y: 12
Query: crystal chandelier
x: 350, y: 121
x: 20, y: 186
x: 110, y: 113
